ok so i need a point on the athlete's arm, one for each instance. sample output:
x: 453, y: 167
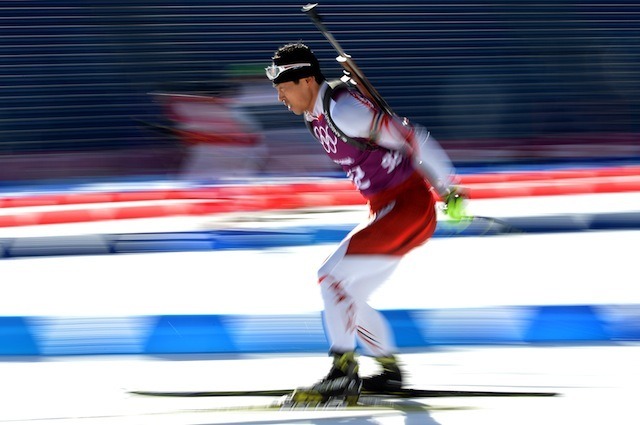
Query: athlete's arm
x: 353, y: 114
x: 356, y: 117
x: 431, y: 160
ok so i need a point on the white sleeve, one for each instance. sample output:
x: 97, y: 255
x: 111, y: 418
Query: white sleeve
x: 352, y: 116
x: 355, y: 119
x: 431, y: 160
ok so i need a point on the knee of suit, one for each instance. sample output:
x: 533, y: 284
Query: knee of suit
x: 333, y: 290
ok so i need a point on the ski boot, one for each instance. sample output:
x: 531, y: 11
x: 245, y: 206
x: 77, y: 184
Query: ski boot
x: 388, y: 381
x: 341, y: 385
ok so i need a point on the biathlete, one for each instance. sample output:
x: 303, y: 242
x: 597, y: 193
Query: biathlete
x: 397, y: 168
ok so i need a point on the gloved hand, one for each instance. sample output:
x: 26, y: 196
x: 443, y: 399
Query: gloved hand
x: 455, y: 204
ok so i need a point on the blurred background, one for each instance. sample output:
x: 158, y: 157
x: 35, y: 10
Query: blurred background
x: 156, y: 201
x: 111, y: 89
x: 122, y: 122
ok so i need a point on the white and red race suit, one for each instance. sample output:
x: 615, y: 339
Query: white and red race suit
x: 396, y: 178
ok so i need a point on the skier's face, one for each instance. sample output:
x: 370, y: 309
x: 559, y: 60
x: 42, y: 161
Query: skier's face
x: 298, y: 96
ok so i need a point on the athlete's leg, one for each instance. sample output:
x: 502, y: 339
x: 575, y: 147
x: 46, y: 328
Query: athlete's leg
x: 346, y: 283
x: 363, y: 261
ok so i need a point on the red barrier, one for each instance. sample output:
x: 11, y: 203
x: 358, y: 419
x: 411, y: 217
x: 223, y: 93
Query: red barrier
x: 551, y: 175
x: 555, y: 187
x: 225, y: 199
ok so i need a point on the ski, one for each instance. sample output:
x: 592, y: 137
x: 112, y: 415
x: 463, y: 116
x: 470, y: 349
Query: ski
x: 404, y: 393
x: 366, y: 403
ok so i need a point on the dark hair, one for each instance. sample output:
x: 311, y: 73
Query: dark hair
x: 297, y: 53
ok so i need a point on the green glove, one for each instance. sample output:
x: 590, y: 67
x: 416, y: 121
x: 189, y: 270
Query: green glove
x: 455, y: 204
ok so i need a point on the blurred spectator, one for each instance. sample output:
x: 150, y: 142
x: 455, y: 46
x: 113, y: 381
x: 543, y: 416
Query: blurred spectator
x: 250, y: 87
x: 222, y: 139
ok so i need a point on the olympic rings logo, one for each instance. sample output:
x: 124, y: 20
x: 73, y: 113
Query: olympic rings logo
x: 329, y: 142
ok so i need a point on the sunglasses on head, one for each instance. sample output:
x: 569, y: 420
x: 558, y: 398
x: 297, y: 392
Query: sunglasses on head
x: 274, y: 71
